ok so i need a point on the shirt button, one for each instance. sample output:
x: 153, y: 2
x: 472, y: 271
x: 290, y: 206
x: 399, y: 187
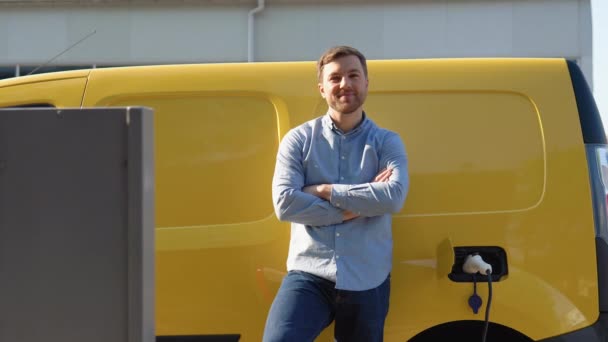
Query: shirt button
x: 337, y: 204
x: 341, y: 178
x: 337, y: 257
x: 343, y: 157
x: 337, y: 234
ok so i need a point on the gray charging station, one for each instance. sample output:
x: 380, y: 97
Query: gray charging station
x: 76, y: 225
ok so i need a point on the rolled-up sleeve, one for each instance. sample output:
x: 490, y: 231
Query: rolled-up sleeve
x: 378, y: 198
x: 290, y: 202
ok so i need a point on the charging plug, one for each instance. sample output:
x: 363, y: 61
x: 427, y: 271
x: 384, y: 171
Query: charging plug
x: 474, y: 263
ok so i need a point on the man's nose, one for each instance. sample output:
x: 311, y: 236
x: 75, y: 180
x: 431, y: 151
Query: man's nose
x: 344, y: 82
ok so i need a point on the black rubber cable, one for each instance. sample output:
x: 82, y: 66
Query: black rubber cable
x: 485, y: 328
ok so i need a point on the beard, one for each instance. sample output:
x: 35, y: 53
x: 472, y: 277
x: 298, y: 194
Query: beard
x: 347, y: 107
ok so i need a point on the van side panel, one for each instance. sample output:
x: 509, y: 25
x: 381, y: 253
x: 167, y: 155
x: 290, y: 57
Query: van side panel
x: 220, y: 250
x: 524, y: 165
x: 491, y: 150
x: 482, y: 169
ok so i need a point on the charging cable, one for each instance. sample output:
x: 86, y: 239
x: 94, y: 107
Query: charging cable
x: 485, y: 328
x: 474, y: 264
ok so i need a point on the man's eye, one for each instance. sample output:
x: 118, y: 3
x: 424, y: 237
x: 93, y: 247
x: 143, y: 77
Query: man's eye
x: 335, y: 79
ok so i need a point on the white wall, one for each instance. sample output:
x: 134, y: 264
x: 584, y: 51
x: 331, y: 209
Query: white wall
x: 422, y: 29
x: 144, y: 34
x: 123, y: 35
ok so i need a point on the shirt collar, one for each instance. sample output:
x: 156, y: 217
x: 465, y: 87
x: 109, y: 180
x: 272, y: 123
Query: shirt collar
x: 329, y: 123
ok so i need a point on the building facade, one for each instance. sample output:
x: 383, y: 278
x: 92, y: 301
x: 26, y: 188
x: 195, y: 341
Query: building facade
x: 122, y: 32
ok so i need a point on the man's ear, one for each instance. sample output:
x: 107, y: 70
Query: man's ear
x: 321, y: 90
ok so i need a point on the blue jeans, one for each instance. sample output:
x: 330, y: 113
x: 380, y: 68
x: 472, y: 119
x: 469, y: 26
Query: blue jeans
x: 307, y: 304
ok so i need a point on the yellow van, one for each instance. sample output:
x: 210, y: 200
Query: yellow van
x: 508, y: 159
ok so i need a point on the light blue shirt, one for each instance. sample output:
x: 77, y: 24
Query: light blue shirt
x: 355, y: 254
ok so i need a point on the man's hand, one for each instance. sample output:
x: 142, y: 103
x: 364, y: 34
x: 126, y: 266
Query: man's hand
x: 348, y: 215
x: 383, y: 176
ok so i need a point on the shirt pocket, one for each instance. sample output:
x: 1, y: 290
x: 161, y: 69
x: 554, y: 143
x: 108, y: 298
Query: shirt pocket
x: 318, y: 172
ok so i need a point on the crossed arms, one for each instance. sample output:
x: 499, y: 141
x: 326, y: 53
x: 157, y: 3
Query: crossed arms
x: 324, y: 191
x: 329, y: 204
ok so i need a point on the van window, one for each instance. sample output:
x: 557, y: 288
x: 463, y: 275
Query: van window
x: 469, y: 152
x: 214, y: 158
x: 7, y: 72
x: 32, y: 105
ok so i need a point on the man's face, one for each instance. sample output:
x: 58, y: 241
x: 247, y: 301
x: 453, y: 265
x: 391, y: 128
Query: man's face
x: 344, y: 85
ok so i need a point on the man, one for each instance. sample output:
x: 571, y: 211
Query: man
x: 338, y: 178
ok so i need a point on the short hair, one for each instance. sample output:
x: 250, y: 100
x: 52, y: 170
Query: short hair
x: 338, y: 52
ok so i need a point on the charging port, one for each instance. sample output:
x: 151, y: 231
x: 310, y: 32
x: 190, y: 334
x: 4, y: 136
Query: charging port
x: 495, y: 256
